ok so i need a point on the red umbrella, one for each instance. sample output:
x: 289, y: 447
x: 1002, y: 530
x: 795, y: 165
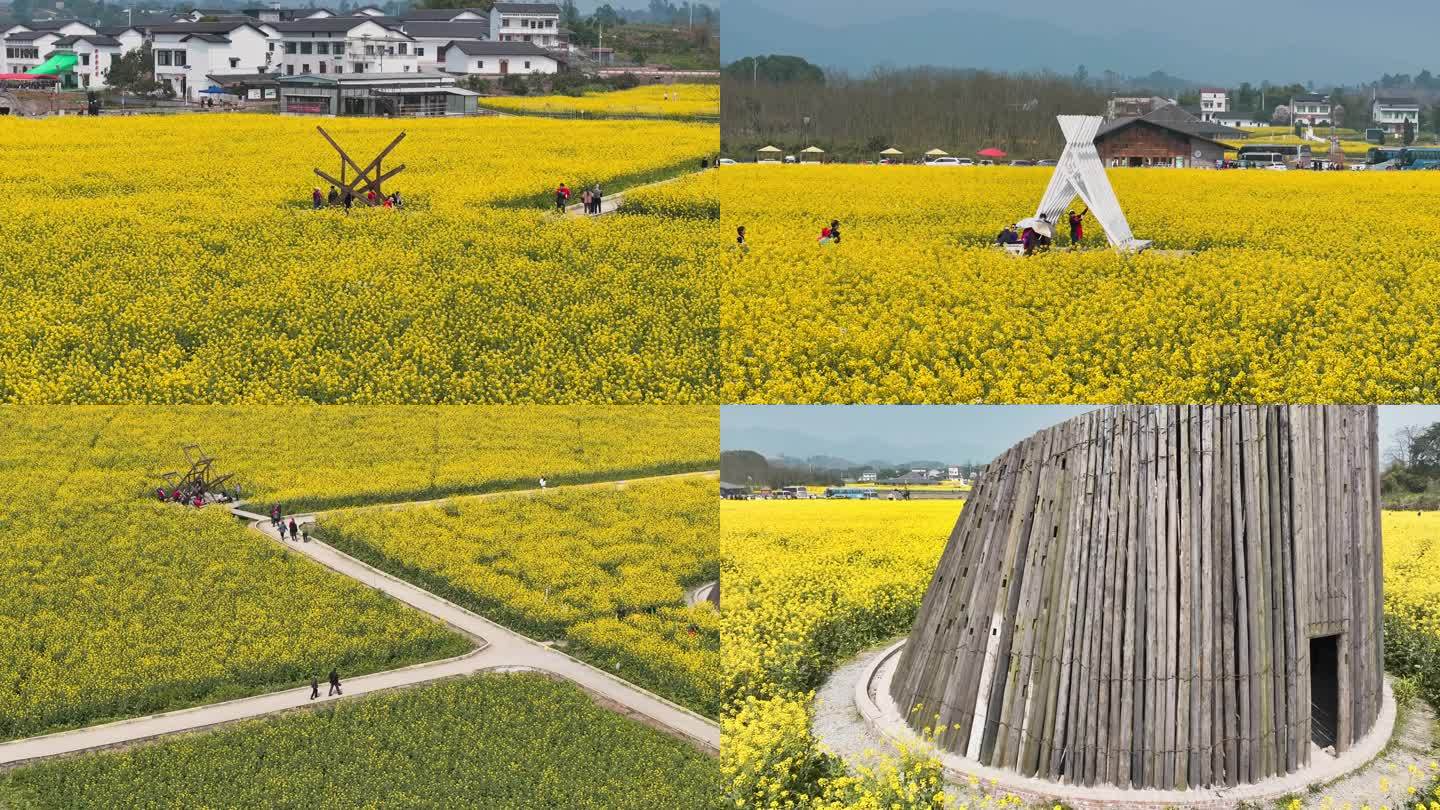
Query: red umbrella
x: 28, y: 77
x: 991, y: 152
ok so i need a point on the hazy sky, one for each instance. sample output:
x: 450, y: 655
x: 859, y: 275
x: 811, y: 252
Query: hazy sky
x: 949, y: 433
x: 1223, y: 41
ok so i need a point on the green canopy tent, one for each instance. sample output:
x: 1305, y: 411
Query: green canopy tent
x: 59, y: 62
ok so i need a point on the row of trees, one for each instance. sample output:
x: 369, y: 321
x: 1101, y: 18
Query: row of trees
x: 1412, y: 473
x: 913, y: 109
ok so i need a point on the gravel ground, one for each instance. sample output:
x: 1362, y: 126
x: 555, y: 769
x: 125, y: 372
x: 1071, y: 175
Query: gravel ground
x: 1405, y: 762
x: 1412, y: 746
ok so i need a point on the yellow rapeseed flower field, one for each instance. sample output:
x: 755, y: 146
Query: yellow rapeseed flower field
x: 520, y: 741
x: 1304, y: 286
x: 162, y: 260
x: 660, y: 100
x: 604, y: 569
x: 116, y: 605
x: 810, y: 583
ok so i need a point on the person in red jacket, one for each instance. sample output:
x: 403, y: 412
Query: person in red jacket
x: 1077, y: 227
x: 562, y: 196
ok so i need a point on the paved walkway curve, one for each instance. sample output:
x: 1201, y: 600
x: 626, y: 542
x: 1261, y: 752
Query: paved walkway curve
x: 610, y: 203
x: 499, y: 650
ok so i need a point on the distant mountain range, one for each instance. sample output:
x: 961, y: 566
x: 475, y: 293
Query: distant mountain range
x: 841, y: 452
x: 1028, y: 39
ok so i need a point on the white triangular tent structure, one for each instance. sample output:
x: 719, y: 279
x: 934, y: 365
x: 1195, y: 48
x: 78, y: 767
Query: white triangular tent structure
x: 1081, y: 173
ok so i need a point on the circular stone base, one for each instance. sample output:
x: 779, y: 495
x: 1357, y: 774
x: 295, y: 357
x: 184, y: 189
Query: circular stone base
x: 871, y: 717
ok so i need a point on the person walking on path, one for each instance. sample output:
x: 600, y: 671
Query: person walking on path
x: 585, y: 198
x: 542, y: 482
x: 596, y: 198
x: 562, y: 196
x: 334, y: 683
x: 1077, y: 227
x: 282, y: 530
x: 314, y: 687
x: 304, y: 534
x: 293, y: 532
x: 275, y: 515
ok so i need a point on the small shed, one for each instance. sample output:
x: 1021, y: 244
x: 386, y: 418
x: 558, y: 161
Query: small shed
x: 891, y: 155
x: 812, y: 154
x: 768, y: 153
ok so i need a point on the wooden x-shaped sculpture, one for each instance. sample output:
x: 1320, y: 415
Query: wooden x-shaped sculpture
x: 354, y: 186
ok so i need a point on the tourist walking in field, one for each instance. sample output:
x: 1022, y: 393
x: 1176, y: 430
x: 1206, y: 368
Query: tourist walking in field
x: 542, y: 482
x: 1077, y: 227
x: 275, y: 515
x: 334, y: 683
x: 562, y: 195
x: 314, y: 687
x: 316, y: 199
x: 585, y: 199
x: 293, y: 533
x: 334, y: 197
x: 282, y: 530
x: 596, y: 198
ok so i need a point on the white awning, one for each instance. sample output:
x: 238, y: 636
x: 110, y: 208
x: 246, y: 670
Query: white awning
x: 417, y: 91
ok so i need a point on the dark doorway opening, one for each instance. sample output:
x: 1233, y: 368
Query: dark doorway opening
x: 1324, y: 689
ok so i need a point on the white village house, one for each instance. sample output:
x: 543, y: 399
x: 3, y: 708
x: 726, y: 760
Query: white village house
x: 527, y: 22
x: 185, y: 53
x: 431, y: 37
x: 25, y: 47
x: 498, y: 58
x: 354, y: 44
x: 1311, y: 108
x: 1391, y: 114
x: 1212, y: 102
x: 1239, y: 120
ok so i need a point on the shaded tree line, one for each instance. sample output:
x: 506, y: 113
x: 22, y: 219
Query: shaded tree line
x: 1412, y: 474
x: 912, y: 109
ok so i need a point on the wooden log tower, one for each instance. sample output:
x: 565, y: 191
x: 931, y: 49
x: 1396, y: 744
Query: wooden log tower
x: 1160, y: 597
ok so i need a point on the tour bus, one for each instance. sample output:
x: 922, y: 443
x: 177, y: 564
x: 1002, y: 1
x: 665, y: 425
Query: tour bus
x: 1267, y: 155
x: 1412, y: 158
x: 793, y: 493
x: 1381, y: 154
x: 849, y: 493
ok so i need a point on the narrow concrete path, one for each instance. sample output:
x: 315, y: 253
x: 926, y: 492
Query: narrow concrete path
x: 499, y: 650
x: 550, y: 486
x: 704, y: 592
x: 610, y: 203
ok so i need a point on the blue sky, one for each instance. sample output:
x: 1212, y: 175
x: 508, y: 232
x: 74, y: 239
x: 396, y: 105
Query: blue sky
x: 948, y: 433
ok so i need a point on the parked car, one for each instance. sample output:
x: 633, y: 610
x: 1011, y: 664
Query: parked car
x: 1047, y: 163
x: 950, y: 161
x: 725, y: 162
x: 986, y: 162
x: 1022, y: 163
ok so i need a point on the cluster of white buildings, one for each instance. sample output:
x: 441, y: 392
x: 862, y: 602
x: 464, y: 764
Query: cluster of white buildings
x: 189, y: 50
x: 1387, y: 112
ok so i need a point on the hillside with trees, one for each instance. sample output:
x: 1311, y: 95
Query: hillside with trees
x: 1412, y: 475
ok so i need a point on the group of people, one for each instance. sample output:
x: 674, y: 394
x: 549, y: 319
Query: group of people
x: 318, y: 200
x: 1033, y: 239
x: 592, y: 198
x: 296, y: 533
x: 334, y: 685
